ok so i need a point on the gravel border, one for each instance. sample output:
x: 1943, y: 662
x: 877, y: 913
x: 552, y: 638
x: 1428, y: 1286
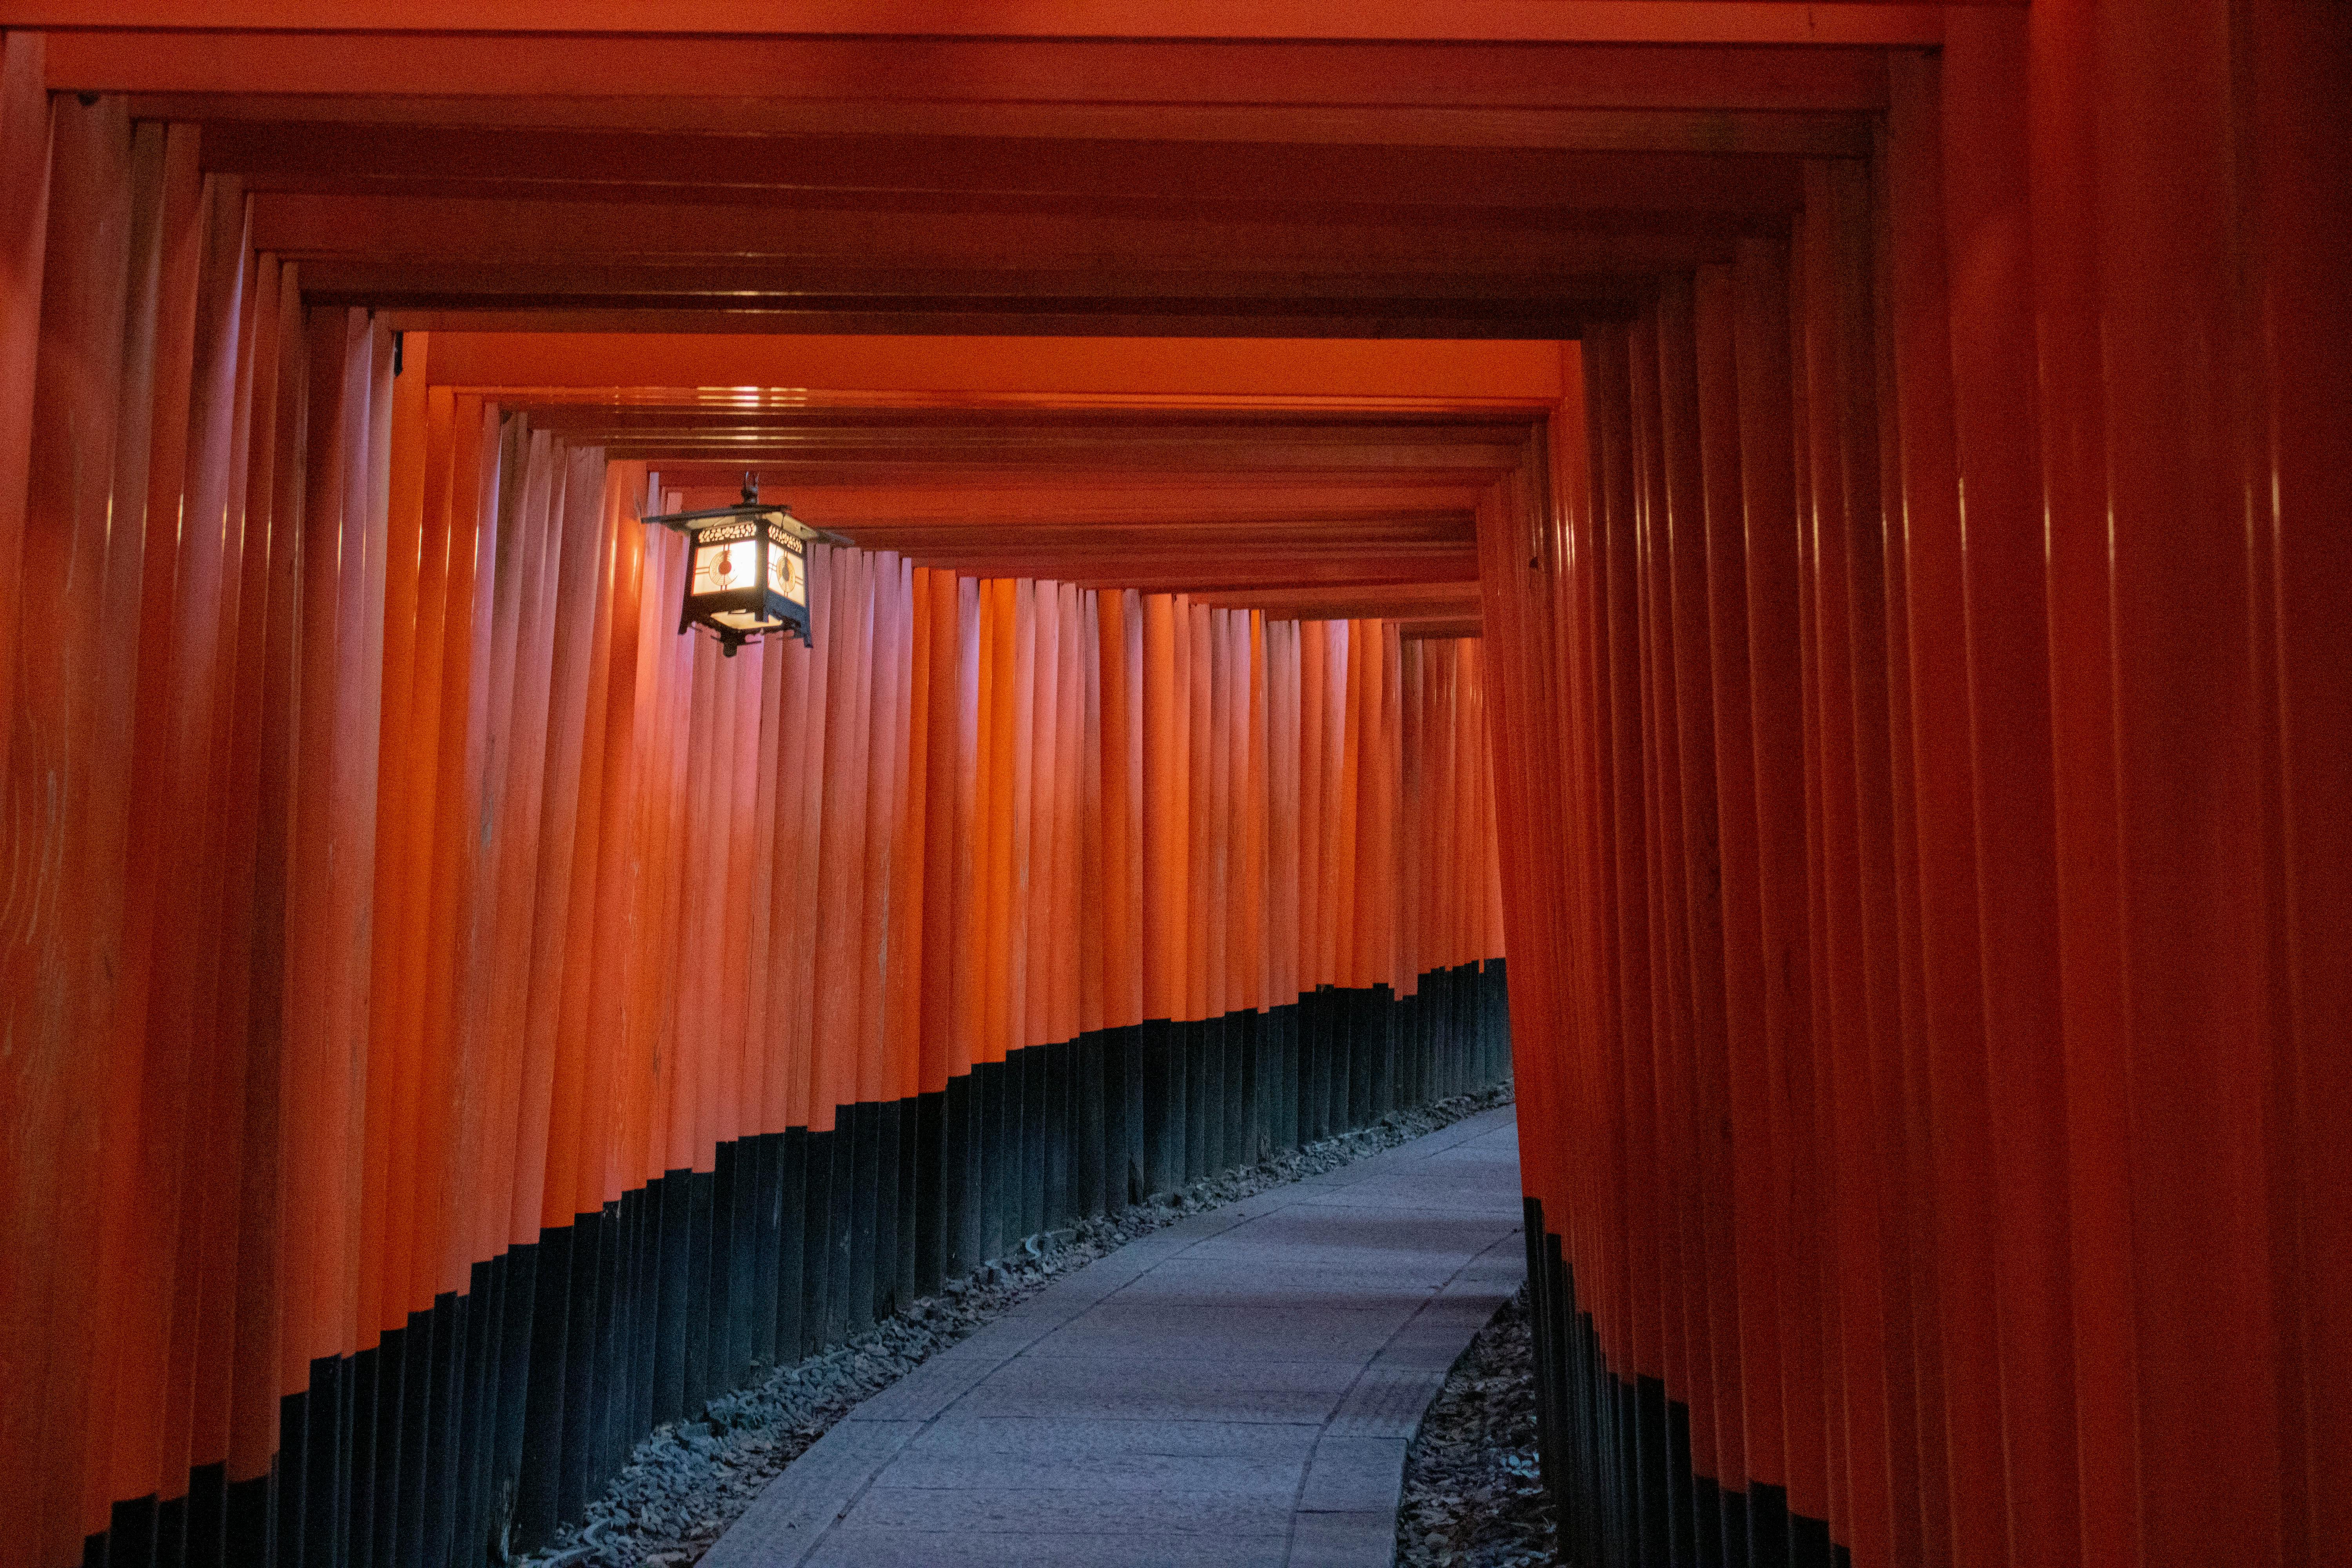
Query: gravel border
x: 688, y: 1481
x: 1474, y: 1491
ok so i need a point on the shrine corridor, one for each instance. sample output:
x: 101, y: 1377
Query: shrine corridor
x: 671, y: 674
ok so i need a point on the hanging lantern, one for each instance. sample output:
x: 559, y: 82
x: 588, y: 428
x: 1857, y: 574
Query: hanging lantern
x: 747, y: 569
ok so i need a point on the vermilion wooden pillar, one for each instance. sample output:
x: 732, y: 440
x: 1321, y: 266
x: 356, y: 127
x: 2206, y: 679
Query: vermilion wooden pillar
x: 1947, y: 1142
x: 2299, y: 471
x: 25, y: 198
x: 2062, y: 110
x: 56, y: 985
x: 2184, y: 791
x: 1988, y: 236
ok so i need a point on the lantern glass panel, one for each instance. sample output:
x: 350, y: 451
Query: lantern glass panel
x: 725, y: 568
x: 787, y: 570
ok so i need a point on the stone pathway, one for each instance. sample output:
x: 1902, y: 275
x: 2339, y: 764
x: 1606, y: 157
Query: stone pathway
x: 1234, y: 1391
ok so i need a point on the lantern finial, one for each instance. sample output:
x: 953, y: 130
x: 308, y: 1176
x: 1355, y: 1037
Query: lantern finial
x: 751, y: 488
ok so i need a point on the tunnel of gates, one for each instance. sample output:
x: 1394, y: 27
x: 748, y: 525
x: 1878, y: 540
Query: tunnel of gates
x: 476, y: 1024
x: 1924, y: 736
x: 1913, y: 676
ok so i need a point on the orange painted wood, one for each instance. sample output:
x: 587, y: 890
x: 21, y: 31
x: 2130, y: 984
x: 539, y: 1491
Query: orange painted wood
x: 552, y: 682
x: 167, y: 853
x: 1314, y: 716
x: 571, y: 1184
x: 1670, y: 975
x: 334, y: 821
x: 909, y: 853
x: 2195, y: 1029
x: 1069, y: 930
x: 806, y: 700
x: 969, y: 852
x: 1195, y: 806
x: 1253, y: 949
x: 1091, y: 894
x: 880, y: 674
x: 1987, y: 240
x: 385, y: 1217
x: 1159, y: 890
x: 204, y: 1321
x: 429, y: 420
x: 1752, y: 1239
x: 2299, y: 53
x: 1936, y: 775
x: 528, y: 474
x: 25, y: 196
x: 938, y: 597
x: 763, y: 1064
x: 701, y: 855
x: 252, y: 781
x: 1126, y: 995
x: 124, y: 1217
x: 1231, y: 782
x: 1030, y: 938
x: 994, y: 818
x: 465, y: 868
x: 880, y: 626
x: 1679, y: 21
x: 834, y: 1015
x: 1284, y: 843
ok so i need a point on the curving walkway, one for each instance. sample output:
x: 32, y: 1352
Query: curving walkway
x: 1234, y: 1391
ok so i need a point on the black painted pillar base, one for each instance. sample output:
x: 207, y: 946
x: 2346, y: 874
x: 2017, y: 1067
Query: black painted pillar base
x: 481, y: 1424
x: 1617, y: 1458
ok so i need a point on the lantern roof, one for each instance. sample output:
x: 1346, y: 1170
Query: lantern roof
x: 779, y: 514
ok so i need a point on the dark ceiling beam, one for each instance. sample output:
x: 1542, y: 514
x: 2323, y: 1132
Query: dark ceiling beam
x: 1799, y: 78
x: 1337, y: 601
x: 1076, y: 319
x: 1371, y: 557
x: 967, y: 374
x: 1272, y: 572
x: 947, y: 430
x: 1270, y: 454
x: 337, y: 156
x: 1684, y: 21
x: 1034, y: 517
x: 1077, y: 315
x: 1236, y: 501
x: 1269, y: 457
x: 1367, y: 586
x: 1441, y: 627
x: 436, y: 243
x: 1797, y: 133
x: 1240, y: 539
x: 782, y: 479
x: 713, y: 217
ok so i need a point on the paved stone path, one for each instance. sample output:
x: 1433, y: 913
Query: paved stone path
x: 1234, y: 1391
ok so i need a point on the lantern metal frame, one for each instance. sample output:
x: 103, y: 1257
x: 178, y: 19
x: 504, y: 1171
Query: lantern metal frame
x: 771, y: 530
